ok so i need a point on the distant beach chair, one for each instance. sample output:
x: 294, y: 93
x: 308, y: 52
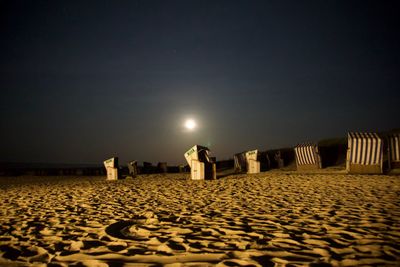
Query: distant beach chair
x: 148, y: 167
x: 307, y: 157
x: 111, y: 166
x: 162, y: 167
x: 278, y: 159
x: 253, y: 165
x: 364, y: 153
x: 394, y: 150
x: 201, y: 167
x: 239, y: 160
x: 247, y: 161
x: 181, y: 168
x: 133, y: 169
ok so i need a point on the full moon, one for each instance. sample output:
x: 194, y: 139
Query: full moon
x: 190, y: 124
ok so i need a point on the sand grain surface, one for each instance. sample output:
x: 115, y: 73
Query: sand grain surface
x: 268, y: 219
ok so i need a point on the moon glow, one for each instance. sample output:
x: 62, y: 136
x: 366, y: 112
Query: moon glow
x: 190, y: 124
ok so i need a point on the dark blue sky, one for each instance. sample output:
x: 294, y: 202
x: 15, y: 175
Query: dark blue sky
x: 85, y: 80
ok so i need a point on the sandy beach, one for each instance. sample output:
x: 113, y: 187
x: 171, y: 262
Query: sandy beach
x: 268, y: 219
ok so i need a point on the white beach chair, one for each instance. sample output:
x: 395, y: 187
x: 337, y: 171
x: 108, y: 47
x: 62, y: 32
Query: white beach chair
x: 247, y: 161
x: 111, y: 166
x: 201, y: 167
x: 253, y: 165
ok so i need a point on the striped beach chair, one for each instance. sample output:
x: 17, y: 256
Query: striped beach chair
x: 307, y: 157
x: 394, y: 150
x: 364, y: 153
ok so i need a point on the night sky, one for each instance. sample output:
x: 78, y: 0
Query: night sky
x: 82, y: 81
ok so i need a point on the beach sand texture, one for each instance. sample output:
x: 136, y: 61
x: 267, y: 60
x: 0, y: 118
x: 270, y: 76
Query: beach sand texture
x: 268, y: 219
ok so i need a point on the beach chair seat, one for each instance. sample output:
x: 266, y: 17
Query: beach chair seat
x: 253, y: 166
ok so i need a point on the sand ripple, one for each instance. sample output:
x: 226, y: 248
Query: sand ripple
x: 267, y: 219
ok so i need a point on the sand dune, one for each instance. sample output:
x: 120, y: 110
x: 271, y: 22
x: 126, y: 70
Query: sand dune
x: 240, y: 220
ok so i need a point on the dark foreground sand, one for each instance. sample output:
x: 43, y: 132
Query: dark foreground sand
x: 267, y: 219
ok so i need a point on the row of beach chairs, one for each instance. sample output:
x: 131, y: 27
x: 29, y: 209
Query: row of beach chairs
x: 365, y: 154
x: 113, y: 169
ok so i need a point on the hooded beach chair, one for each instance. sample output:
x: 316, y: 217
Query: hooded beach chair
x: 307, y: 157
x: 394, y: 150
x: 364, y: 153
x: 132, y: 167
x: 247, y: 161
x: 201, y: 167
x: 111, y: 166
x: 253, y: 165
x: 148, y: 167
x: 278, y: 159
x: 240, y: 162
x: 162, y: 167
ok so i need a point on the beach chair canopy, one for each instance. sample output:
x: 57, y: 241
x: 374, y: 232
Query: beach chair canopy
x: 111, y: 163
x: 197, y: 152
x: 133, y: 162
x: 251, y: 155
